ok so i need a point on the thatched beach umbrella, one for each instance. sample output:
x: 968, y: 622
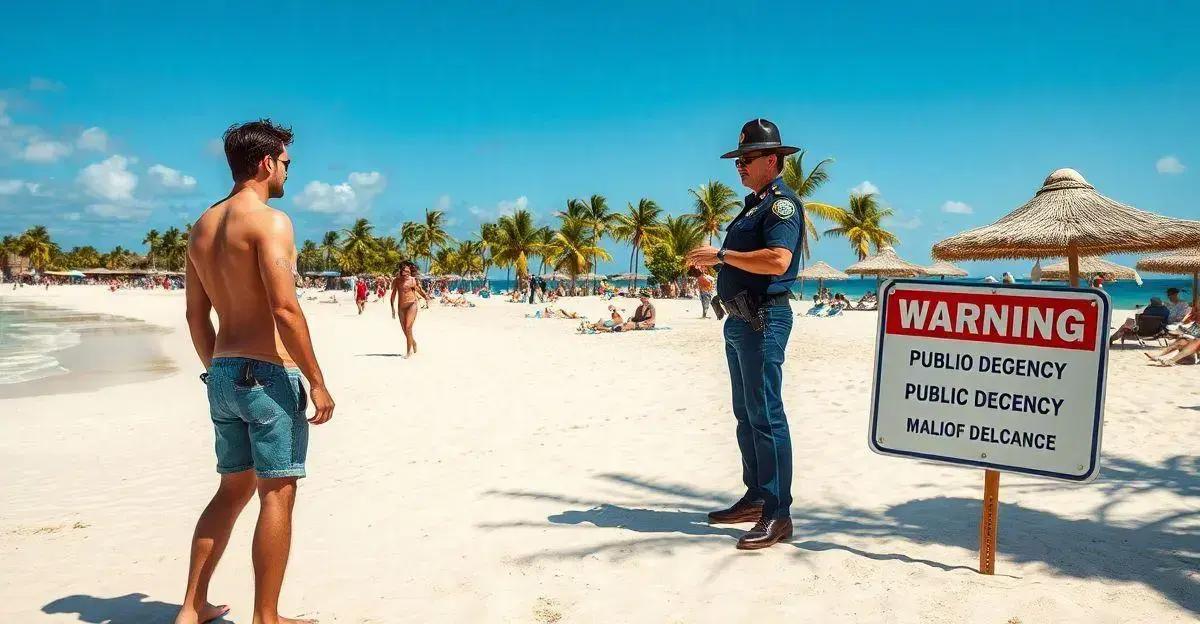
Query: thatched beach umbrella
x: 1090, y: 265
x: 944, y: 269
x: 1182, y: 261
x: 1067, y: 217
x: 885, y: 264
x: 821, y: 271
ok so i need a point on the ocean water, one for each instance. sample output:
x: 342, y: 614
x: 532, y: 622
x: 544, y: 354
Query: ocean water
x: 29, y: 340
x: 1125, y: 295
x: 49, y: 350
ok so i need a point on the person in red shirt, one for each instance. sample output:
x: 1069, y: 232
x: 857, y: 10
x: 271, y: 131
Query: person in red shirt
x: 360, y: 294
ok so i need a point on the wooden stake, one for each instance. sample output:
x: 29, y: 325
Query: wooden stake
x: 1073, y: 266
x: 987, y: 522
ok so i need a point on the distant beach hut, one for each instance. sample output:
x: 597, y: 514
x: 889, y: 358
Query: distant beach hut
x: 1068, y: 218
x: 944, y: 269
x: 885, y: 264
x: 820, y: 271
x: 1090, y: 266
x: 1181, y: 261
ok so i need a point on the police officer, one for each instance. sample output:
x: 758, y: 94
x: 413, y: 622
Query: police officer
x: 759, y: 260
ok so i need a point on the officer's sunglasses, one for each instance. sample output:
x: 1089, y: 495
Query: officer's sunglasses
x: 744, y: 161
x: 286, y: 163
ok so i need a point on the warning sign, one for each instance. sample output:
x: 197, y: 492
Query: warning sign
x: 993, y: 376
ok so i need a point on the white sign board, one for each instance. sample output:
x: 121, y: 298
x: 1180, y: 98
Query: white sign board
x: 994, y: 376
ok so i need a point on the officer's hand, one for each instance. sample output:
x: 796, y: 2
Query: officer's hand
x: 705, y: 256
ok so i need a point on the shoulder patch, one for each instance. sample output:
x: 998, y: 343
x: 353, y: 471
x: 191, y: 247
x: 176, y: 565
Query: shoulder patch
x: 783, y: 208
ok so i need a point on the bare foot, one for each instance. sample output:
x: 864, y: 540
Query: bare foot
x: 209, y: 613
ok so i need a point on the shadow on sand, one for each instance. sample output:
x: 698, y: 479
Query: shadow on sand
x: 1159, y: 552
x: 127, y: 609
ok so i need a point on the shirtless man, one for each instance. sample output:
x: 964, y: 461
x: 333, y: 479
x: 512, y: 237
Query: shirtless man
x: 241, y: 261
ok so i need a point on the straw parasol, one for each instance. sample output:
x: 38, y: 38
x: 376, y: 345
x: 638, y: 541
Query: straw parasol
x: 944, y: 269
x: 1067, y: 217
x: 1182, y: 261
x: 1090, y: 265
x: 885, y: 264
x: 821, y: 271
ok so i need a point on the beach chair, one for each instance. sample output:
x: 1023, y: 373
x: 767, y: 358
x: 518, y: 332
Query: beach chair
x: 1147, y: 328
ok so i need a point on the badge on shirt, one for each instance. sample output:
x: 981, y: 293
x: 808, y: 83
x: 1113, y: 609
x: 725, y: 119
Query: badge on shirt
x: 783, y: 208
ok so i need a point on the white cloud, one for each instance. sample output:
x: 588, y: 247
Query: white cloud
x: 1169, y: 165
x: 910, y: 223
x: 109, y: 179
x: 45, y: 84
x: 367, y: 185
x: 95, y: 139
x: 508, y: 207
x: 957, y: 207
x: 351, y: 197
x: 41, y: 151
x: 865, y: 188
x: 11, y: 187
x: 119, y: 211
x: 172, y: 179
x: 72, y: 216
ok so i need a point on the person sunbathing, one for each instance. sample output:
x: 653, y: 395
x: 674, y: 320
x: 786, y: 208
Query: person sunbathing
x: 1185, y: 346
x: 614, y: 320
x: 1188, y: 349
x: 643, y: 317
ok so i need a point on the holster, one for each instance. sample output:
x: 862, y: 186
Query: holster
x: 745, y: 306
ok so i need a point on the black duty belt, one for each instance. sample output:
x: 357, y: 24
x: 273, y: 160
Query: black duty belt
x: 777, y: 299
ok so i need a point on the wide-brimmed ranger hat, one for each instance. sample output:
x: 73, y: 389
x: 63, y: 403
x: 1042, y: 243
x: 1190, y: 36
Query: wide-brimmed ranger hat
x: 760, y: 135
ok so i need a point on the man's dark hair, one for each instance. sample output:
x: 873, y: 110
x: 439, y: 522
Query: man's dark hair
x: 246, y: 144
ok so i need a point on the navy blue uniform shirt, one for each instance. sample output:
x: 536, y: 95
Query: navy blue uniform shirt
x: 770, y: 218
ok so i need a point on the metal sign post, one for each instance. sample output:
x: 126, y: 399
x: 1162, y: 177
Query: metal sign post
x: 1000, y: 377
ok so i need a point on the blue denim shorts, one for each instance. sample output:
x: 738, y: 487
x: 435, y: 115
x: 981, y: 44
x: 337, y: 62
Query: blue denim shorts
x: 257, y: 411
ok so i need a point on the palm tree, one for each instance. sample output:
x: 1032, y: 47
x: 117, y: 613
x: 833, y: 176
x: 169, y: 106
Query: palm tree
x: 330, y: 250
x: 861, y: 225
x: 433, y: 232
x: 389, y: 254
x: 118, y: 258
x: 151, y: 242
x: 172, y: 248
x: 516, y: 240
x: 36, y: 245
x: 679, y: 236
x: 309, y: 257
x: 487, y: 238
x: 637, y: 226
x: 805, y: 185
x: 598, y: 220
x: 358, y: 246
x: 716, y: 203
x: 571, y: 249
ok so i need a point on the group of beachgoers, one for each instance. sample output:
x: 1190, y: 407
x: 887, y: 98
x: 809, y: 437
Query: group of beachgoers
x: 828, y: 304
x: 1173, y: 321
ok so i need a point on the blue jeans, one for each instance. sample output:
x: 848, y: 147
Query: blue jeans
x: 756, y: 374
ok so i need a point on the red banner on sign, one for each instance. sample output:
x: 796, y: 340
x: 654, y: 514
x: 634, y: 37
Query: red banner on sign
x: 998, y: 317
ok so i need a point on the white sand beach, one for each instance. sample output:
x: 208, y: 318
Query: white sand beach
x: 515, y: 471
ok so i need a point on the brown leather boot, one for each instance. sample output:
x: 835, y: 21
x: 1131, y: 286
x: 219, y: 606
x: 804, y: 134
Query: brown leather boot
x: 766, y: 533
x: 741, y: 511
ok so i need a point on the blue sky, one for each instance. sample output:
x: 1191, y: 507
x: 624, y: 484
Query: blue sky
x: 110, y: 112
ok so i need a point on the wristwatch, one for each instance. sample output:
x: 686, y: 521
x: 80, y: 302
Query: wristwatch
x: 721, y: 255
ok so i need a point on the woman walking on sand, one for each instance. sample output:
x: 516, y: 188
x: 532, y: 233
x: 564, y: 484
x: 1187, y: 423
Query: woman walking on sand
x: 406, y: 288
